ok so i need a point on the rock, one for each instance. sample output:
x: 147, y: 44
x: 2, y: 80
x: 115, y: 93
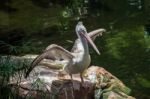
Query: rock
x: 29, y: 58
x: 50, y: 83
x: 113, y: 95
x: 107, y: 86
x: 73, y: 91
x: 59, y: 89
x: 47, y: 81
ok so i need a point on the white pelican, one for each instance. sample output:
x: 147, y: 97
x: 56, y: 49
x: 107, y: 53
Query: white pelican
x: 78, y: 59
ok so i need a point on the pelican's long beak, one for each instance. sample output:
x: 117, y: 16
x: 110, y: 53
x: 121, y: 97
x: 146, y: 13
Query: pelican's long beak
x: 91, y: 42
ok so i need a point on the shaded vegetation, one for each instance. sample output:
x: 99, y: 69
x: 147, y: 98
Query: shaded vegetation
x: 10, y: 68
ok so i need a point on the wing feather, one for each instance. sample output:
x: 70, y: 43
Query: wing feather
x: 52, y: 52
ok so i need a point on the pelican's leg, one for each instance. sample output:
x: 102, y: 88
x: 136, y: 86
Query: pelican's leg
x: 82, y: 81
x: 72, y: 86
x: 71, y: 78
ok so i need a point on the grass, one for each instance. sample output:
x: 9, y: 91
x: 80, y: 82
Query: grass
x: 11, y: 66
x: 8, y: 69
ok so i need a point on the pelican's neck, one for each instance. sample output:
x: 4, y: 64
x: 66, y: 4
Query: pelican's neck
x: 84, y: 45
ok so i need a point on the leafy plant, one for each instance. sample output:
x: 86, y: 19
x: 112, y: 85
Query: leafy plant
x: 8, y: 47
x: 10, y: 67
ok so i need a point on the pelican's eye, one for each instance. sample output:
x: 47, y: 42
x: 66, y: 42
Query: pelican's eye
x: 82, y: 31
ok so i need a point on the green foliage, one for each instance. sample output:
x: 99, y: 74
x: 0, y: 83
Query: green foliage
x: 9, y: 67
x: 9, y: 47
x: 124, y: 43
x: 4, y: 19
x: 116, y: 43
x: 143, y: 81
x: 32, y: 18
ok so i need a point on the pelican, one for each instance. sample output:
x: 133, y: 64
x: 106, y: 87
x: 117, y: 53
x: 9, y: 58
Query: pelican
x: 78, y: 59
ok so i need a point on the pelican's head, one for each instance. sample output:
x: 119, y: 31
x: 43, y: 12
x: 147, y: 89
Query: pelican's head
x: 80, y: 28
x: 80, y: 23
x: 82, y: 34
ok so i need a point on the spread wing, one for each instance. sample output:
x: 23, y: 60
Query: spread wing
x: 92, y: 35
x: 52, y: 52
